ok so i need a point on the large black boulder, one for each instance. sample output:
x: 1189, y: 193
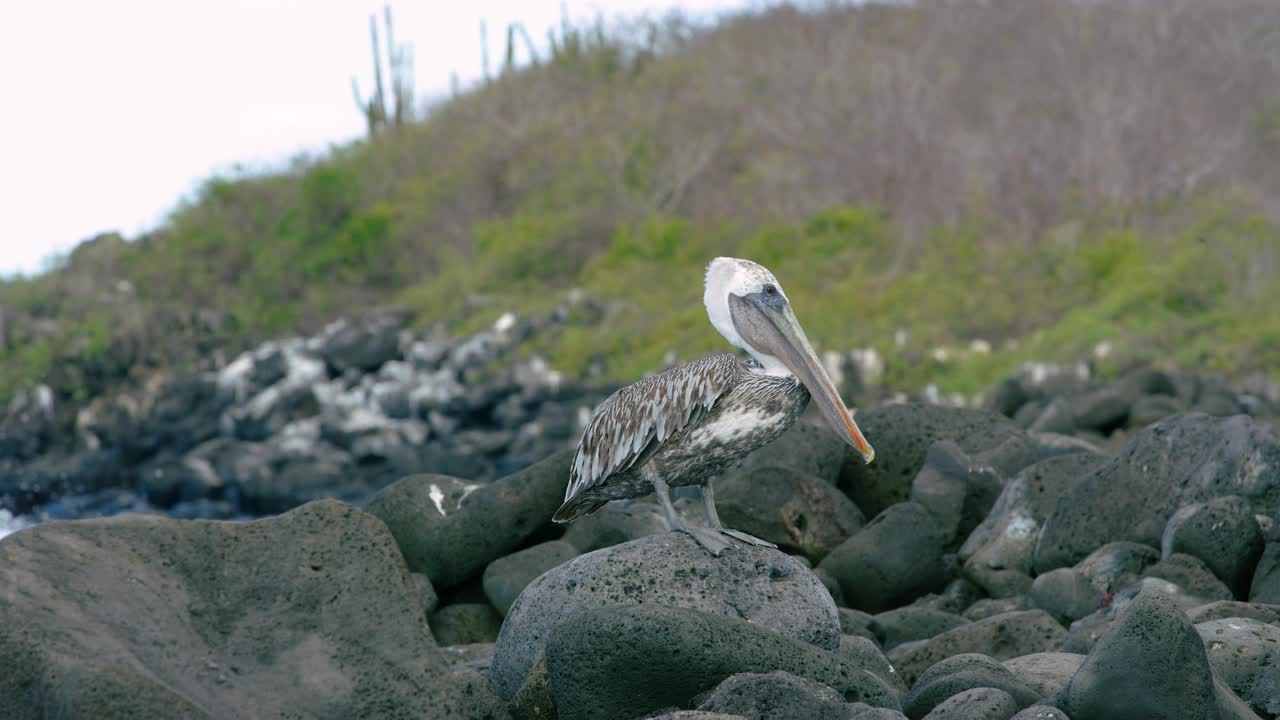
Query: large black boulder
x: 768, y: 588
x: 450, y: 530
x: 901, y: 435
x: 309, y: 614
x: 622, y: 662
x: 1150, y: 664
x: 894, y: 559
x: 1181, y: 460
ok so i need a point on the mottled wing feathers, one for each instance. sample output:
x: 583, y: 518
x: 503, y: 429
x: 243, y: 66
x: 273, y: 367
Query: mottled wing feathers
x: 634, y: 421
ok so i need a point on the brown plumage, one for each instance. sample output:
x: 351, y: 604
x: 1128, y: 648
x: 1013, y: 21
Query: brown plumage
x: 656, y: 422
x: 688, y: 424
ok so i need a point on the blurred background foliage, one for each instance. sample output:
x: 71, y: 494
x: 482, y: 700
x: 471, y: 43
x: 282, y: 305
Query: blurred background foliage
x: 1040, y: 175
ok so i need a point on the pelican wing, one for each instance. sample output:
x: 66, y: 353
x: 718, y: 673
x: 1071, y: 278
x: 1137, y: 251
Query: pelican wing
x: 634, y: 421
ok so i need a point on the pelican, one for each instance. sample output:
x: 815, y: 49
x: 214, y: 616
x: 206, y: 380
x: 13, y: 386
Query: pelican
x: 686, y: 425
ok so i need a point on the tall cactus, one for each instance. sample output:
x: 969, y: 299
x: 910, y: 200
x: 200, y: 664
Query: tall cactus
x: 513, y: 30
x: 400, y: 65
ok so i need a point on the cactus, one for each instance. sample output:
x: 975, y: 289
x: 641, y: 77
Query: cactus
x: 400, y: 66
x: 484, y: 50
x: 512, y: 30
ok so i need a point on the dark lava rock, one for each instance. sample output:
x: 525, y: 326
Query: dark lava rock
x: 470, y: 656
x: 830, y: 582
x: 1022, y: 450
x: 1041, y: 712
x: 1234, y: 609
x: 1006, y: 397
x: 1085, y: 633
x: 693, y: 715
x: 465, y: 624
x: 363, y: 344
x: 1223, y: 534
x: 426, y: 593
x: 27, y: 425
x: 1245, y: 654
x: 583, y: 658
x: 1046, y: 673
x: 1001, y: 637
x: 1150, y: 409
x: 50, y: 477
x: 1029, y: 413
x: 990, y: 607
x: 807, y: 447
x: 1151, y: 663
x: 902, y: 434
x: 760, y: 585
x: 895, y: 558
x: 309, y: 614
x: 506, y: 577
x: 775, y: 696
x: 616, y: 522
x: 865, y: 653
x: 998, y: 582
x: 534, y: 700
x: 450, y: 530
x: 1065, y: 594
x: 1265, y: 587
x: 168, y: 480
x: 1117, y: 564
x: 1057, y: 417
x: 1214, y: 398
x: 268, y: 412
x: 959, y: 673
x: 796, y: 511
x: 1105, y: 408
x: 185, y: 413
x: 1001, y: 549
x: 862, y: 711
x: 959, y: 594
x: 1182, y: 460
x: 957, y: 491
x: 856, y: 622
x: 1112, y: 405
x: 905, y: 624
x: 977, y: 704
x: 1190, y: 574
x: 268, y: 478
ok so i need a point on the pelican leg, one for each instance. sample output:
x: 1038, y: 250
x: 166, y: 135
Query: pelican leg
x: 706, y: 537
x: 713, y: 519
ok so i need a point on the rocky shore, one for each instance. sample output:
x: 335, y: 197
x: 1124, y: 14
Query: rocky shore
x: 337, y: 415
x: 1069, y: 549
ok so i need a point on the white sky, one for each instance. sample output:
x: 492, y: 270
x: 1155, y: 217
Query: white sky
x: 112, y: 111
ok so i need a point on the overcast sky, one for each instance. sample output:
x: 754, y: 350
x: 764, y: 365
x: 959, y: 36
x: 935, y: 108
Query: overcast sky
x: 113, y: 111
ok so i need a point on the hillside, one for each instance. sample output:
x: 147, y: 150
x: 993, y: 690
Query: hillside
x: 1043, y: 176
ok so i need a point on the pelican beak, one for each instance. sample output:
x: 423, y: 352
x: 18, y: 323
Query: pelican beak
x: 767, y: 323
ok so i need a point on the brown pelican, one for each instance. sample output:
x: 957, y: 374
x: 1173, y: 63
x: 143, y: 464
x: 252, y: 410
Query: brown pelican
x: 687, y: 424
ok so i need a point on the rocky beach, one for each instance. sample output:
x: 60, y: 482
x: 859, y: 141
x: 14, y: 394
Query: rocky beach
x: 356, y: 524
x: 283, y: 435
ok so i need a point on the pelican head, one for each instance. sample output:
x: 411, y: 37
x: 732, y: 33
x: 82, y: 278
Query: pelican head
x: 747, y: 306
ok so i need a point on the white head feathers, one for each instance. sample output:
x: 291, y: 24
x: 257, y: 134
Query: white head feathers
x: 727, y: 275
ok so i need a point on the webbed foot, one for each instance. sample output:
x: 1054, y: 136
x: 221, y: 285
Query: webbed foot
x: 706, y: 537
x: 749, y: 539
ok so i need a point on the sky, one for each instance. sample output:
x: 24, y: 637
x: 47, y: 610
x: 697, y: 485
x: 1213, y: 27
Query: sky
x: 113, y: 111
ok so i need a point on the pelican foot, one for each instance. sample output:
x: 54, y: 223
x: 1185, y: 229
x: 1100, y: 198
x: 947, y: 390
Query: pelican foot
x: 749, y: 539
x: 706, y: 537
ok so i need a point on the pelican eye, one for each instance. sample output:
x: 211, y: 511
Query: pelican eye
x: 770, y: 290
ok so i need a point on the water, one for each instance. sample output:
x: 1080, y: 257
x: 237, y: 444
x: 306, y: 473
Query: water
x: 10, y: 524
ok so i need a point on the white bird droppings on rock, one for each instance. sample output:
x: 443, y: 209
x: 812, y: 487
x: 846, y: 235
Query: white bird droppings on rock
x: 505, y: 323
x: 437, y: 497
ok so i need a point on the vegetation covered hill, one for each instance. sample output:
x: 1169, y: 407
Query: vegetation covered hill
x: 1041, y: 175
